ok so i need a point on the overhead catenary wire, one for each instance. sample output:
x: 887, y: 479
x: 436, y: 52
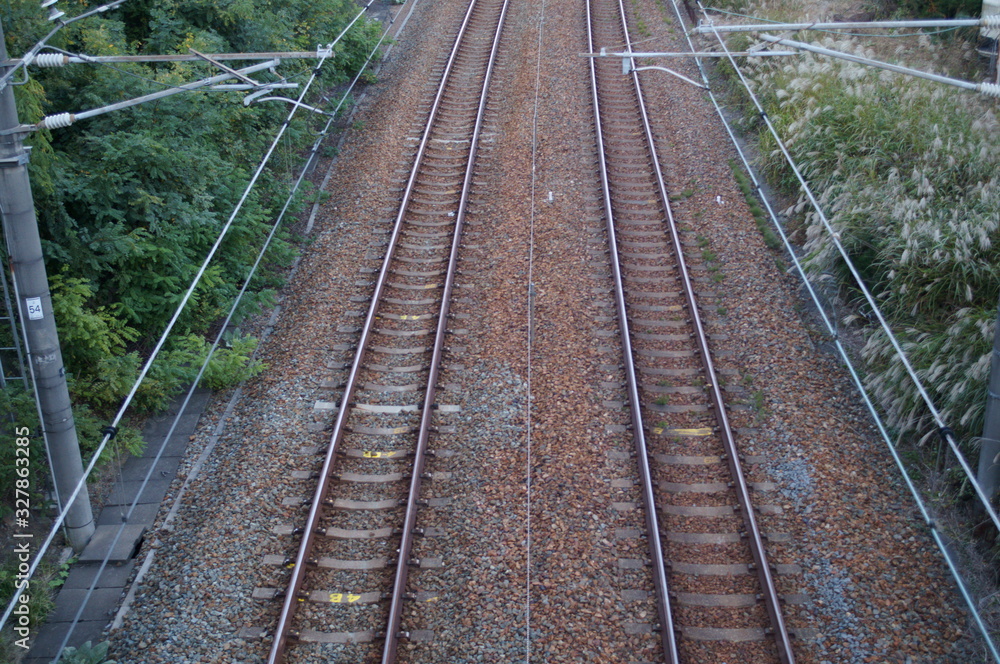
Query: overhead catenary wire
x: 528, y: 406
x: 65, y: 119
x: 61, y: 58
x: 832, y: 330
x: 111, y: 429
x: 105, y: 62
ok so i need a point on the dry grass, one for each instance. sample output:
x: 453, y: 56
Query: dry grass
x: 908, y: 175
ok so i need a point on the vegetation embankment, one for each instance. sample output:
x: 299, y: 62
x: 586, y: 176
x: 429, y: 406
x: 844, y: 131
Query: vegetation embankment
x: 129, y: 203
x: 907, y: 172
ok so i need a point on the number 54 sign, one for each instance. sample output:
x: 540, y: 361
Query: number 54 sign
x: 33, y: 305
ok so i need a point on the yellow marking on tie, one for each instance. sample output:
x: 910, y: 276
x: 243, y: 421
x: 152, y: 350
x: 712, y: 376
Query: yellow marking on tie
x: 682, y: 432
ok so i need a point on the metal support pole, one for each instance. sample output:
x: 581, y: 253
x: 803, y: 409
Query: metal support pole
x: 988, y: 474
x: 983, y: 88
x: 710, y: 28
x: 24, y: 247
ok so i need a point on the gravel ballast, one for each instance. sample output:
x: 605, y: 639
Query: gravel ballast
x: 529, y: 537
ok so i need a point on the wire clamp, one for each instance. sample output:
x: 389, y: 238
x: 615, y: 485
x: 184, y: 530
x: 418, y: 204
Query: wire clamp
x: 945, y: 432
x: 19, y: 159
x: 110, y: 431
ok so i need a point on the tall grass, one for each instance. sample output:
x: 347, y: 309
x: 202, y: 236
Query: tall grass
x: 908, y: 174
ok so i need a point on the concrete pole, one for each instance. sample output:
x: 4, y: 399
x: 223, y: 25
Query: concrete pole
x: 24, y: 247
x: 988, y: 474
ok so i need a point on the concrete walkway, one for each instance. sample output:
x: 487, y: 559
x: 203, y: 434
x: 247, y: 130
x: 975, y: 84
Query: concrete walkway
x: 116, y: 543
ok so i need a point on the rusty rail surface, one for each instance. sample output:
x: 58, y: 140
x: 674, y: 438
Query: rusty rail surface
x: 667, y: 635
x: 406, y: 543
x: 495, y: 11
x: 723, y: 429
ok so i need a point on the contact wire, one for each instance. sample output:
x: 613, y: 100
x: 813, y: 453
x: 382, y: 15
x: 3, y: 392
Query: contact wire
x: 531, y: 330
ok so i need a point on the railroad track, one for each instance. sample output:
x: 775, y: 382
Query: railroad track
x: 345, y: 587
x: 715, y: 590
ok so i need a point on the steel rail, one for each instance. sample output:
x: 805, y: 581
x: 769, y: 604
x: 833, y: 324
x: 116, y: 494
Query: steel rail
x: 763, y: 569
x: 668, y: 637
x: 406, y: 541
x: 282, y: 631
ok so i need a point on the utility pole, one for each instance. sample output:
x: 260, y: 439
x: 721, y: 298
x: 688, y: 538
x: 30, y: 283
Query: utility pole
x: 20, y: 227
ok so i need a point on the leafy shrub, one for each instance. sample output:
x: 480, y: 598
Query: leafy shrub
x: 17, y: 408
x: 40, y: 603
x: 232, y: 365
x: 130, y: 202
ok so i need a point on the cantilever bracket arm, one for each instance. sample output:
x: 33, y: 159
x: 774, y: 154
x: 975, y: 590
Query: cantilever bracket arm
x: 231, y: 72
x: 628, y: 67
x: 252, y: 97
x: 60, y: 120
x: 628, y: 63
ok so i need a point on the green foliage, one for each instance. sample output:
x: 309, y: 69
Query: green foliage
x: 17, y: 409
x: 59, y: 577
x: 232, y: 365
x: 40, y: 603
x: 87, y: 334
x: 228, y: 367
x: 130, y: 202
x: 758, y: 405
x: 760, y: 218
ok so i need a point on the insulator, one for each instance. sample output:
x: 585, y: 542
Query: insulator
x: 50, y: 60
x: 58, y: 121
x: 991, y: 21
x: 989, y: 89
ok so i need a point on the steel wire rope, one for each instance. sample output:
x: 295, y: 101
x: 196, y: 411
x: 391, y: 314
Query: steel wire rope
x: 111, y: 429
x: 212, y: 349
x: 531, y: 335
x: 832, y: 330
